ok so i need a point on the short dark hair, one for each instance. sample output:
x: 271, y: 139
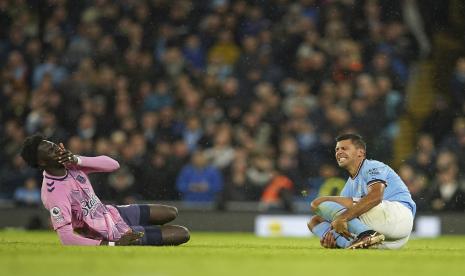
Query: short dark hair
x: 356, y: 139
x: 30, y: 148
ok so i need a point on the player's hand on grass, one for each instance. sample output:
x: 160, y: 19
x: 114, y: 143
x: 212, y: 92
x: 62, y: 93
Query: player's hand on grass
x: 328, y: 240
x: 130, y: 238
x: 66, y: 157
x: 340, y: 226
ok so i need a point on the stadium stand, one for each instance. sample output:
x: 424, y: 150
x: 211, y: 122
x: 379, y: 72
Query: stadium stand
x: 258, y: 88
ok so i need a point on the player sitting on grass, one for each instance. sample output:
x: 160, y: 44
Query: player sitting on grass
x: 375, y: 209
x: 78, y: 215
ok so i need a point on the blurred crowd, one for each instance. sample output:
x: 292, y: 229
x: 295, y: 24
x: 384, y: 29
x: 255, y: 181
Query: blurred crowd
x: 434, y: 173
x: 218, y: 100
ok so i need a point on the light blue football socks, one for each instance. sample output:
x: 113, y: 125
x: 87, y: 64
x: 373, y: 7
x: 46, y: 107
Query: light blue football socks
x: 321, y: 229
x: 330, y: 210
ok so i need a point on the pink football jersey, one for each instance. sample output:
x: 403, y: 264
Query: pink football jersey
x: 72, y: 200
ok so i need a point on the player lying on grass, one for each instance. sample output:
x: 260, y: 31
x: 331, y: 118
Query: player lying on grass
x: 78, y: 215
x: 375, y: 209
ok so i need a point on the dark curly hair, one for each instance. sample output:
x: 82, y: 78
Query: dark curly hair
x: 29, y: 149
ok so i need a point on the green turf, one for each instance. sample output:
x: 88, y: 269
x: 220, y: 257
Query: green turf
x: 39, y: 253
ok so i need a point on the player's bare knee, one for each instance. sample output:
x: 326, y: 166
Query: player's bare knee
x: 309, y: 225
x: 186, y: 235
x: 314, y: 205
x: 175, y: 234
x: 173, y: 212
x: 314, y: 221
x: 183, y: 234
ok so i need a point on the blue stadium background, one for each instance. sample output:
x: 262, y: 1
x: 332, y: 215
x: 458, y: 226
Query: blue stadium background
x: 222, y: 101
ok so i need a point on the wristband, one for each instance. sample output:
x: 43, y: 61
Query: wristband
x: 79, y: 161
x: 110, y: 243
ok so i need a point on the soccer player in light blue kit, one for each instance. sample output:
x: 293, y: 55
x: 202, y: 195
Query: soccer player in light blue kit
x: 375, y: 209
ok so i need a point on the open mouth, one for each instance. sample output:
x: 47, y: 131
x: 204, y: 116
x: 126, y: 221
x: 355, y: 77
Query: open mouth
x: 341, y: 159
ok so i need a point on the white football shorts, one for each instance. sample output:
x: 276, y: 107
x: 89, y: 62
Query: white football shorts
x: 392, y: 219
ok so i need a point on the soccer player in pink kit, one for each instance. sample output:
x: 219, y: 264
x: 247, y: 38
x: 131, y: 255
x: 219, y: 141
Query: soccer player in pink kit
x: 78, y: 215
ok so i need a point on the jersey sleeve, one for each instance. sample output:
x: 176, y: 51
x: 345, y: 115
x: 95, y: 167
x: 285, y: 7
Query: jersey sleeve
x: 346, y: 191
x: 97, y: 164
x: 68, y: 237
x: 375, y: 173
x: 59, y: 207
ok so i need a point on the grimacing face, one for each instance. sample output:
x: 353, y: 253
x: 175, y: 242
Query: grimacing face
x: 347, y: 154
x: 47, y: 153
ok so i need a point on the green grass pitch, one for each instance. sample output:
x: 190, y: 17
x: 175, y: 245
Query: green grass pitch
x: 39, y: 253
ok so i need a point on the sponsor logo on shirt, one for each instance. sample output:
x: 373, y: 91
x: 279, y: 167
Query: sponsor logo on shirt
x: 55, y: 212
x: 89, y: 206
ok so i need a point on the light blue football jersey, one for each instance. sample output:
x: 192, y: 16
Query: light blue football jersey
x: 373, y: 171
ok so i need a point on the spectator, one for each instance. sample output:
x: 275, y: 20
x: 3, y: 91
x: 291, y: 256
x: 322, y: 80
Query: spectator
x: 121, y: 187
x: 423, y: 159
x: 159, y: 98
x: 199, y: 181
x: 50, y: 128
x: 157, y: 182
x: 440, y: 120
x: 458, y: 84
x: 225, y: 49
x: 236, y: 181
x: 447, y: 192
x: 455, y: 142
x: 194, y: 52
x: 278, y: 194
x: 149, y: 124
x: 417, y: 184
x: 327, y: 183
x: 29, y: 194
x: 221, y: 154
x: 87, y: 128
x: 49, y: 66
x: 288, y: 162
x: 259, y: 174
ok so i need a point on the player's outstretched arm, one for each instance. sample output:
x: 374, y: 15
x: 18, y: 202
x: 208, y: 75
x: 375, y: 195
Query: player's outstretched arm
x: 100, y: 163
x: 68, y: 237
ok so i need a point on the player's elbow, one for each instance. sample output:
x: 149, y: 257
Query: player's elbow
x: 114, y: 164
x: 314, y: 205
x: 377, y: 199
x: 316, y: 202
x: 117, y: 165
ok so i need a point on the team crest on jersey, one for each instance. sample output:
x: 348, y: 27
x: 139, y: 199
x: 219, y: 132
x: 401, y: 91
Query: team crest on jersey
x: 373, y: 171
x: 55, y: 212
x: 81, y: 179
